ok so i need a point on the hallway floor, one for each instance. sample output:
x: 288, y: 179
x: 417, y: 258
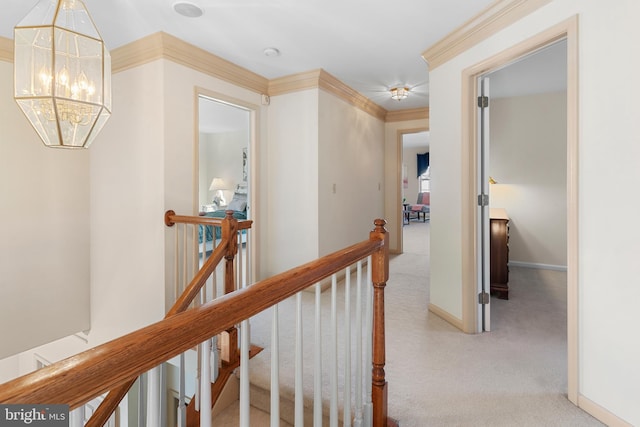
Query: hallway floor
x: 514, y: 375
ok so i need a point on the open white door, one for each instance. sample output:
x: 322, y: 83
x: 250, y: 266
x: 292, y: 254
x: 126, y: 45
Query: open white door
x: 484, y: 256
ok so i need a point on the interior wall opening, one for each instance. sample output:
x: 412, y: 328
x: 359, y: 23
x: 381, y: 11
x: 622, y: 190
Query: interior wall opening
x: 412, y: 144
x: 224, y: 135
x: 566, y: 30
x: 225, y: 168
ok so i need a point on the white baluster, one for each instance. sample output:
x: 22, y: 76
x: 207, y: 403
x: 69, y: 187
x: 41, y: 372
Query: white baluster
x: 153, y: 397
x: 358, y: 377
x: 195, y: 256
x: 245, y: 345
x: 203, y: 246
x: 299, y: 391
x: 123, y: 412
x: 368, y: 405
x: 245, y: 401
x: 239, y: 263
x: 333, y: 397
x: 205, y: 384
x: 162, y: 395
x: 76, y: 417
x: 215, y: 359
x: 275, y: 362
x: 176, y: 258
x: 185, y: 279
x: 197, y: 390
x: 142, y: 400
x: 317, y: 365
x: 247, y: 248
x: 346, y: 416
x: 182, y: 405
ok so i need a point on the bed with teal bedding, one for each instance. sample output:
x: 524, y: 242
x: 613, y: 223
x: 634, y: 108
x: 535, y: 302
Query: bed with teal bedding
x: 239, y: 207
x: 210, y: 230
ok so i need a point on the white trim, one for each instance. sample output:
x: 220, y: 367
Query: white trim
x: 601, y: 413
x: 537, y: 265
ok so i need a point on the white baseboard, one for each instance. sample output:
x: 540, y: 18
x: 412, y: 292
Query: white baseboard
x: 537, y: 266
x: 445, y: 315
x: 601, y: 413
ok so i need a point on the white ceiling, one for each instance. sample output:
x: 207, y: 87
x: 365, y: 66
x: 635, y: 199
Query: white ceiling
x: 541, y: 72
x: 371, y: 45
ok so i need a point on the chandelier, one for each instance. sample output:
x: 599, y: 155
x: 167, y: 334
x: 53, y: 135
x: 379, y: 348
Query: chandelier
x: 62, y: 73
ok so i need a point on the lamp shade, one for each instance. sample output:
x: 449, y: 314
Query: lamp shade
x: 62, y: 73
x: 218, y: 184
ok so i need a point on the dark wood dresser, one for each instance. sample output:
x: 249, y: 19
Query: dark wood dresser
x: 499, y: 243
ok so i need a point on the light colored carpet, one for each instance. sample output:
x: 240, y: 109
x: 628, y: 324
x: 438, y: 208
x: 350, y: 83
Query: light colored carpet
x: 513, y: 376
x: 229, y: 417
x: 439, y: 376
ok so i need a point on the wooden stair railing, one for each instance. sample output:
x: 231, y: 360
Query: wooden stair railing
x: 227, y: 249
x: 80, y: 378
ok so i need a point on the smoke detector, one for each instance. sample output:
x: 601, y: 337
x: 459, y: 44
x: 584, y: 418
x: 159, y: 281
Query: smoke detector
x: 188, y: 9
x: 271, y: 51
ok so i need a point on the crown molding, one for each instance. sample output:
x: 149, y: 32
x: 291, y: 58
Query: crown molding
x: 6, y: 49
x: 165, y: 46
x: 320, y: 79
x: 137, y: 53
x: 294, y: 83
x: 333, y: 85
x: 497, y: 16
x: 406, y: 115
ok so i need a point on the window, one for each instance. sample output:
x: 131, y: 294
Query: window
x: 424, y: 181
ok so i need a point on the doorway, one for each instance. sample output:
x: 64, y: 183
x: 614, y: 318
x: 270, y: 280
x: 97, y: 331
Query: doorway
x: 410, y: 143
x: 525, y: 168
x: 565, y: 30
x: 223, y: 152
x: 415, y: 181
x: 225, y: 167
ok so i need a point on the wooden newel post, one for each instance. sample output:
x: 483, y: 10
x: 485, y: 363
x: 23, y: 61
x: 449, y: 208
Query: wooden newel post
x: 230, y: 233
x: 379, y: 275
x: 229, y: 338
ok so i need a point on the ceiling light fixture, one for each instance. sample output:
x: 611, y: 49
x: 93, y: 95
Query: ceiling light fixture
x: 399, y: 93
x: 188, y: 9
x: 62, y: 73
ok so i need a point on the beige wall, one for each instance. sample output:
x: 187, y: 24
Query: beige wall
x: 317, y: 140
x: 127, y: 194
x: 528, y: 158
x: 44, y: 233
x: 608, y: 233
x: 351, y: 144
x: 292, y: 201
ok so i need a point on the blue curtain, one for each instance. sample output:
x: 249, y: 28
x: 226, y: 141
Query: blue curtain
x: 423, y: 163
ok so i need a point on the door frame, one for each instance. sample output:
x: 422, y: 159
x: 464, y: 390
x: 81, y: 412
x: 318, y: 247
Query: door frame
x: 568, y: 30
x: 253, y: 168
x: 399, y: 156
